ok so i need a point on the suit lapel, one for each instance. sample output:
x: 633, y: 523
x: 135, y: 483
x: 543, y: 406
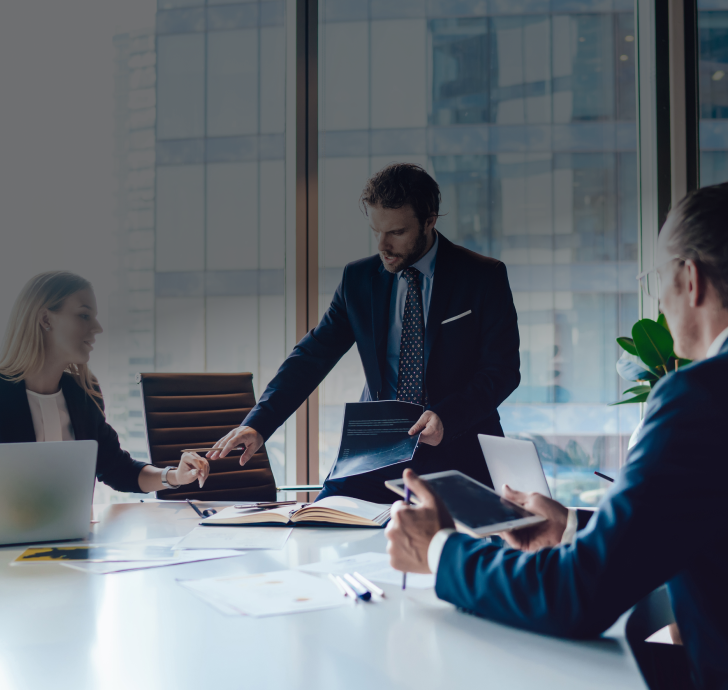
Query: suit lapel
x: 381, y: 297
x: 75, y: 402
x: 442, y: 286
x: 16, y: 422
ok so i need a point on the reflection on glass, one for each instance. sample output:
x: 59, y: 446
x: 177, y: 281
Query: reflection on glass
x: 527, y: 123
x: 203, y: 207
x: 713, y: 84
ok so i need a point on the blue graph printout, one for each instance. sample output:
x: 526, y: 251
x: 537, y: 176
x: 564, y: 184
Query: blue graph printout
x: 375, y: 435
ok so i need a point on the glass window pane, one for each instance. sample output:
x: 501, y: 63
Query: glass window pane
x: 180, y: 236
x: 232, y: 82
x: 232, y: 216
x: 713, y: 74
x: 180, y: 86
x: 517, y: 127
x: 180, y: 336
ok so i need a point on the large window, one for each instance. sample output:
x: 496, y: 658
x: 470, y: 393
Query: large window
x: 713, y: 86
x: 216, y: 287
x: 527, y: 121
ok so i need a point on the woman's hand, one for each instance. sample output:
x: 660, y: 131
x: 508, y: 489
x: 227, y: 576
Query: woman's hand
x: 192, y: 466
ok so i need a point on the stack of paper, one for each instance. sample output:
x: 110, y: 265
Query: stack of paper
x: 373, y: 566
x: 267, y: 594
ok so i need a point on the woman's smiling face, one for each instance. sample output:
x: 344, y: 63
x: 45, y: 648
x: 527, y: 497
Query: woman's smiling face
x: 71, y: 331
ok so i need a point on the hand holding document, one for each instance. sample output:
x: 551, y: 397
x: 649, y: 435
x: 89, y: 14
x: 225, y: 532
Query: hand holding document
x: 267, y: 594
x: 375, y: 435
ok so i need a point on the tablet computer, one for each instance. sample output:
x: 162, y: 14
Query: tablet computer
x: 476, y: 509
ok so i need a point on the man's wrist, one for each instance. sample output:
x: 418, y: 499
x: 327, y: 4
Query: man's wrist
x: 572, y: 524
x: 434, y: 550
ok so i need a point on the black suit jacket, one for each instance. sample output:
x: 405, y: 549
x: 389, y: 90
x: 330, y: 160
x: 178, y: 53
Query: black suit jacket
x: 663, y: 521
x: 471, y: 364
x: 114, y: 466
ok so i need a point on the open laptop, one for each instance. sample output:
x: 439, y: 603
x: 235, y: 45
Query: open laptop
x: 515, y: 463
x: 46, y: 490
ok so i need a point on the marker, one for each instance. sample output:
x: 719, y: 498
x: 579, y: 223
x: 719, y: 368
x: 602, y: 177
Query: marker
x: 361, y: 591
x: 337, y: 583
x: 604, y: 476
x: 407, y: 501
x: 349, y: 591
x: 370, y: 585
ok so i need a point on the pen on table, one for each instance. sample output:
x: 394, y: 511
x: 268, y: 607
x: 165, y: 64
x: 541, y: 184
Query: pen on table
x: 349, y: 591
x: 338, y: 584
x: 604, y: 476
x: 370, y: 585
x: 361, y: 591
x: 204, y: 513
x: 206, y: 450
x: 407, y: 501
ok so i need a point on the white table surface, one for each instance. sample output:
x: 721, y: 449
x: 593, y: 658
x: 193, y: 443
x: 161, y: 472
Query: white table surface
x: 61, y: 628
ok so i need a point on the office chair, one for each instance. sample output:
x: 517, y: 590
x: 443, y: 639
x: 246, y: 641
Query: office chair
x: 195, y: 411
x: 663, y: 666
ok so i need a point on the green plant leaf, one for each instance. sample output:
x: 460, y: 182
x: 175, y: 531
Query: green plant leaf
x: 663, y: 322
x: 637, y: 399
x: 627, y: 344
x: 638, y: 390
x: 654, y: 344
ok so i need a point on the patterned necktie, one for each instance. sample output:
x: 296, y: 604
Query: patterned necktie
x: 410, y: 382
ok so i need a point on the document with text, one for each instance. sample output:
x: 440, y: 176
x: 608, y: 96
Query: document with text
x: 375, y: 435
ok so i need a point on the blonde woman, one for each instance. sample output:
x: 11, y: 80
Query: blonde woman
x: 47, y: 392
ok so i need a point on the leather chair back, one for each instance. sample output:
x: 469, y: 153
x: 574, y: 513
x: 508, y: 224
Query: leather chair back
x: 195, y: 411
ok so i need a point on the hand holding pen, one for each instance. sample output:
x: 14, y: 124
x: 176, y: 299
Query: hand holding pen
x: 407, y: 494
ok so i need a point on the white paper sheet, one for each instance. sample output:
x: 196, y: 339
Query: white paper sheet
x: 178, y: 558
x: 373, y: 566
x: 236, y: 538
x: 267, y: 594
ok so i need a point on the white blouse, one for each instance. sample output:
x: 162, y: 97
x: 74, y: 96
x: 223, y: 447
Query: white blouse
x: 51, y: 420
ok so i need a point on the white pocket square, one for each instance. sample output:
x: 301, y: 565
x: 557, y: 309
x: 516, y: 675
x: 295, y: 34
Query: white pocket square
x: 459, y: 316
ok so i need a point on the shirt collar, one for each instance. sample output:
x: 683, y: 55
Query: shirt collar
x: 717, y: 344
x: 426, y: 265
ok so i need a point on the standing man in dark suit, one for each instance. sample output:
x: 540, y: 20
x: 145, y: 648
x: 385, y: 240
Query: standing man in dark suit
x: 664, y: 520
x: 418, y: 284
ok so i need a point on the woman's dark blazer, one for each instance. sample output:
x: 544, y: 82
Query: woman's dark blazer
x: 114, y: 466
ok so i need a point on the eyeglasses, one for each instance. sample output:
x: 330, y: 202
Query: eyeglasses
x: 650, y: 279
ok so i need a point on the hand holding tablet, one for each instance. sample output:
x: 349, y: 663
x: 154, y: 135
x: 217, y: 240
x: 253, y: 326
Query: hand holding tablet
x: 476, y: 509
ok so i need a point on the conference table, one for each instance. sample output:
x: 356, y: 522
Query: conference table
x: 61, y: 628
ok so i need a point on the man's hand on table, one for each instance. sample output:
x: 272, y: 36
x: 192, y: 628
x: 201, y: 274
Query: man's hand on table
x: 431, y: 427
x: 545, y: 534
x: 242, y: 436
x: 412, y: 528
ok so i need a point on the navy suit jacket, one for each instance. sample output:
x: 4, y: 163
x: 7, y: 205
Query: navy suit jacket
x: 114, y: 466
x: 663, y: 521
x: 471, y: 364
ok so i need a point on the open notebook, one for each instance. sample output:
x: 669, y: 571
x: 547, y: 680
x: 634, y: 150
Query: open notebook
x: 332, y: 511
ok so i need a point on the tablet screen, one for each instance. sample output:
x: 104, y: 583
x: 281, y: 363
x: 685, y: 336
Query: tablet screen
x: 471, y: 503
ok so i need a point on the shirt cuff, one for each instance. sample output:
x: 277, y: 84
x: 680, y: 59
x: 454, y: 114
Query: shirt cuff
x: 572, y: 524
x: 434, y: 551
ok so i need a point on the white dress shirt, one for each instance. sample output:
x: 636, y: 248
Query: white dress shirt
x: 51, y: 420
x: 438, y: 541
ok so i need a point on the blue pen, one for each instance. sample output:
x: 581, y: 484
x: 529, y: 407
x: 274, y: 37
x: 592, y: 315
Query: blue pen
x: 407, y: 501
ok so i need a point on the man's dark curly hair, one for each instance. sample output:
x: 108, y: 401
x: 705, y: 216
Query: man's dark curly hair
x: 701, y: 234
x: 399, y: 184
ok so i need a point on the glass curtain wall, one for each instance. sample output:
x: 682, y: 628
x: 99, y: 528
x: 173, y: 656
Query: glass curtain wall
x: 713, y: 86
x: 216, y: 253
x: 527, y: 121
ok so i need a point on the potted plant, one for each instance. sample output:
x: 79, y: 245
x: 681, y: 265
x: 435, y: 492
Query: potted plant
x: 648, y: 356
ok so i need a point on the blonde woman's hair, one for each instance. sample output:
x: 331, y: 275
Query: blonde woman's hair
x: 23, y: 349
